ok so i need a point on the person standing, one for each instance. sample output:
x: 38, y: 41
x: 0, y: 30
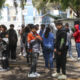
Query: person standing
x: 4, y: 49
x: 60, y: 49
x: 12, y: 42
x: 69, y: 36
x: 34, y: 41
x: 27, y: 30
x: 37, y: 28
x: 48, y: 48
x: 0, y: 29
x: 76, y: 35
x: 42, y: 30
x: 22, y: 40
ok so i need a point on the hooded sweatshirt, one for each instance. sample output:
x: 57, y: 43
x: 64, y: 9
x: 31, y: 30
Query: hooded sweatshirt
x: 76, y: 34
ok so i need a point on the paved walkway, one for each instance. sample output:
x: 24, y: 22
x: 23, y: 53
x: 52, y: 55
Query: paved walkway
x: 20, y: 69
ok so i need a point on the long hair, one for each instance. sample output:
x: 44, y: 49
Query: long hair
x: 47, y: 32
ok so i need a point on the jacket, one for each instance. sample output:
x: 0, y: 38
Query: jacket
x: 33, y: 43
x: 12, y: 37
x: 76, y: 34
x: 48, y: 43
x: 61, y: 39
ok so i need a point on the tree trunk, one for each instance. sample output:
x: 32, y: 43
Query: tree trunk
x: 22, y: 5
x: 78, y: 14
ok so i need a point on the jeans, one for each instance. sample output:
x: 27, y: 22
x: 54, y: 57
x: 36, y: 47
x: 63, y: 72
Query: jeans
x: 69, y: 49
x: 48, y: 57
x: 34, y: 57
x: 78, y: 49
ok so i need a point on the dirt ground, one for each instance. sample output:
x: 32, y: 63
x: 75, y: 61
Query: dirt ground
x: 20, y: 69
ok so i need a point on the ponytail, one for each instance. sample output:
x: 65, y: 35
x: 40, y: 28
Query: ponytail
x: 47, y: 32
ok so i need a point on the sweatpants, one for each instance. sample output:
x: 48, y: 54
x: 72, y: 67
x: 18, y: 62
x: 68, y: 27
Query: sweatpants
x: 34, y: 57
x: 61, y: 62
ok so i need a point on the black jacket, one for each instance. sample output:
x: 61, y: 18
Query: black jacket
x: 3, y: 34
x: 12, y: 36
x: 61, y: 38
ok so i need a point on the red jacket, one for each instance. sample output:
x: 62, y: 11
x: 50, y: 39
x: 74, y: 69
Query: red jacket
x: 76, y: 34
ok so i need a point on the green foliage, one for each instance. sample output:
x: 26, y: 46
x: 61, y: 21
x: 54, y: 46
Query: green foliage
x: 1, y: 3
x: 73, y: 4
x: 23, y: 3
x: 43, y: 5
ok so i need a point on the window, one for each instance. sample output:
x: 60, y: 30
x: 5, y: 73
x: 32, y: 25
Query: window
x: 29, y: 1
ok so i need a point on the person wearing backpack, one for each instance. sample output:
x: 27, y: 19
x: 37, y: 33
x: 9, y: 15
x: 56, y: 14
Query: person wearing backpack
x: 48, y: 48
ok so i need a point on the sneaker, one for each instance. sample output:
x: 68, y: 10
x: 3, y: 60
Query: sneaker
x: 37, y: 74
x: 79, y: 59
x: 14, y: 60
x: 3, y: 69
x: 32, y: 75
x: 72, y: 58
x: 20, y: 54
x: 46, y: 70
x: 61, y: 77
x: 55, y: 75
x: 24, y: 54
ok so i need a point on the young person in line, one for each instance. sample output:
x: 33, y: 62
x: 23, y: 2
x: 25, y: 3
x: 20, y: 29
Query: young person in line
x: 42, y: 30
x: 76, y: 35
x: 34, y: 41
x: 60, y: 49
x: 22, y: 40
x: 69, y: 36
x: 48, y: 48
x: 4, y: 49
x: 12, y: 42
x: 26, y: 31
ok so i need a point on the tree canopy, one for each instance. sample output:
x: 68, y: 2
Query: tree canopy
x: 73, y: 4
x: 43, y: 5
x: 1, y: 3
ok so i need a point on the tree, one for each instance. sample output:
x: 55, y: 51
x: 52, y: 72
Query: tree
x: 43, y: 5
x: 1, y: 3
x: 22, y: 4
x: 73, y: 4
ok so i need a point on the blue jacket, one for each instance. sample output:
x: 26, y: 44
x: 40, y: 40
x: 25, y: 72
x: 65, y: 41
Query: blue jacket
x: 48, y: 42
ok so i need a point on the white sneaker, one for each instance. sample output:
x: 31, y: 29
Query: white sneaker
x: 78, y: 58
x: 62, y: 77
x: 55, y: 75
x: 32, y: 75
x: 72, y: 58
x: 20, y: 54
x: 24, y: 54
x: 1, y: 69
x: 37, y: 74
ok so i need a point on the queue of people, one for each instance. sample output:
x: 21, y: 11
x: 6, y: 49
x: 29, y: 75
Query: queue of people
x: 34, y: 40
